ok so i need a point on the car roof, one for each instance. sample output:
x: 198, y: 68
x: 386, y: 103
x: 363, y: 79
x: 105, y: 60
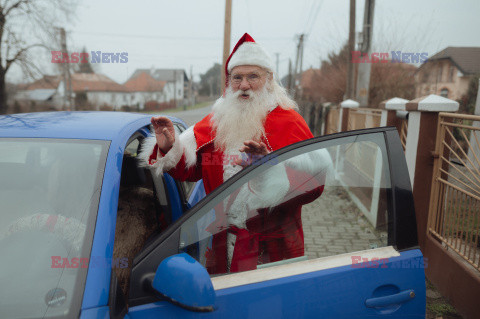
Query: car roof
x: 79, y: 125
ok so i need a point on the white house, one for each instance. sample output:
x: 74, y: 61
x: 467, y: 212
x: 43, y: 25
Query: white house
x: 175, y: 87
x: 89, y: 91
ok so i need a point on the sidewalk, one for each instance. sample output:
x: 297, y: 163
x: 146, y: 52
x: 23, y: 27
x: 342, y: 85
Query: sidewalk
x: 341, y: 228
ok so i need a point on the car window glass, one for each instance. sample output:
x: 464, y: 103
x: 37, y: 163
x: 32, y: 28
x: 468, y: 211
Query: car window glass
x: 321, y: 200
x: 132, y: 147
x: 49, y: 192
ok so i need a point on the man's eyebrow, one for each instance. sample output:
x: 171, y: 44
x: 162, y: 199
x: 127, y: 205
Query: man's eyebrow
x: 249, y: 73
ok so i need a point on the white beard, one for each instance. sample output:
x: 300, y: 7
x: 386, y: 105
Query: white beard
x: 236, y: 120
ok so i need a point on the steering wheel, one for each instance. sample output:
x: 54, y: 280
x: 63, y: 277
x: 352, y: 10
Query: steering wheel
x: 70, y: 231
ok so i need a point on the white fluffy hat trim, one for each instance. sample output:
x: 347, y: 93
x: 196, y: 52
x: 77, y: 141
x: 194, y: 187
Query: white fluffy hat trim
x: 250, y: 53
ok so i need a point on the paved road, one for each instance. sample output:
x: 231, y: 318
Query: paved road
x: 193, y: 116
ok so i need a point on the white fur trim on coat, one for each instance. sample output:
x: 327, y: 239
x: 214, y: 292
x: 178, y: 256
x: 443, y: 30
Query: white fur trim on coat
x: 314, y: 162
x: 263, y: 191
x: 250, y: 53
x: 271, y: 188
x: 187, y: 139
x: 185, y: 144
x: 162, y: 164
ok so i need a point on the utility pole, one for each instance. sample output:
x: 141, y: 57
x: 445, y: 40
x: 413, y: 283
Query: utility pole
x: 298, y: 62
x: 277, y: 54
x: 175, y: 87
x: 364, y: 69
x: 301, y: 57
x: 351, y: 47
x: 226, y: 38
x: 289, y: 79
x: 67, y: 90
x: 192, y: 102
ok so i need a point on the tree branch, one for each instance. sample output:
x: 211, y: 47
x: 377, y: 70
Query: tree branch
x: 9, y: 62
x: 15, y: 5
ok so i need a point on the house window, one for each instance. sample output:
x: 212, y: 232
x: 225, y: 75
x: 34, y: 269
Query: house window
x: 444, y: 93
x: 450, y: 76
x: 439, y: 78
x: 424, y: 75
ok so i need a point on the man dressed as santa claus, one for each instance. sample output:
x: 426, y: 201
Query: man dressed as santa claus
x: 255, y: 116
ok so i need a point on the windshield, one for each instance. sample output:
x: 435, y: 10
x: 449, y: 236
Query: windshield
x: 49, y: 192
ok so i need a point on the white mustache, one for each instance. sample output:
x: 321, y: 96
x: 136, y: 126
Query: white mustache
x: 240, y: 92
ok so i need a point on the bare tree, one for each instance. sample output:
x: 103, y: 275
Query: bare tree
x: 387, y: 80
x: 24, y: 26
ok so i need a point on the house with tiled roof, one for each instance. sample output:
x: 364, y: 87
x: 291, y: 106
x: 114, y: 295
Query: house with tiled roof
x: 99, y: 91
x: 145, y: 89
x: 42, y: 94
x: 308, y: 80
x: 175, y: 90
x: 448, y: 72
x: 89, y: 91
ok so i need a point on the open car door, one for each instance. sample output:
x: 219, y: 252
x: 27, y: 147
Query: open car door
x: 324, y: 228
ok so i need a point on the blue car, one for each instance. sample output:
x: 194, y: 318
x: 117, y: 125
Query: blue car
x: 87, y: 231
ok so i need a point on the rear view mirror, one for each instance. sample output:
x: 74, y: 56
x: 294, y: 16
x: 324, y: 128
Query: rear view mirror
x: 185, y: 282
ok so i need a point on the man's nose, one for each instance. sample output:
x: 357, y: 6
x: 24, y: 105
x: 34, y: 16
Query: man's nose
x: 244, y: 85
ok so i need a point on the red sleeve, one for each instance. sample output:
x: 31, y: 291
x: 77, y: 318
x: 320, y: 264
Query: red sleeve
x: 180, y: 171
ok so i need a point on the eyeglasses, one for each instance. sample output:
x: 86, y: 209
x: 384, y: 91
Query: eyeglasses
x: 252, y: 78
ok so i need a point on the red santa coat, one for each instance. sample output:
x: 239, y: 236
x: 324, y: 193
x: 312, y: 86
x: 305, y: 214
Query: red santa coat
x: 278, y: 233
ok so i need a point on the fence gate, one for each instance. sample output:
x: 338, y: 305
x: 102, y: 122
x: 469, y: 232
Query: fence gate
x: 454, y: 214
x: 359, y: 118
x: 332, y: 120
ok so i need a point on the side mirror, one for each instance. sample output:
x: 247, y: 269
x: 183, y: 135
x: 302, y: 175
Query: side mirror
x: 185, y: 282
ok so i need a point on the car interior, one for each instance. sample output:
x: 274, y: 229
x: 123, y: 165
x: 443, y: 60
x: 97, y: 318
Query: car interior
x: 140, y: 216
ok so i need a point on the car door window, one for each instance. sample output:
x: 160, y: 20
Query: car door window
x: 314, y: 201
x: 312, y: 219
x: 139, y: 214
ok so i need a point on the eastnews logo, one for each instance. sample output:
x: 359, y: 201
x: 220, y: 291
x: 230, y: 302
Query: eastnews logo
x: 362, y: 262
x: 384, y: 57
x: 84, y: 57
x: 94, y: 262
x: 232, y: 159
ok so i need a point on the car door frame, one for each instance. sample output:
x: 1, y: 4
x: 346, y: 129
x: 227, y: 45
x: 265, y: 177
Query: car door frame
x: 97, y: 286
x: 402, y: 232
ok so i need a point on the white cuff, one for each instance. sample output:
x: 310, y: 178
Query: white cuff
x: 163, y: 164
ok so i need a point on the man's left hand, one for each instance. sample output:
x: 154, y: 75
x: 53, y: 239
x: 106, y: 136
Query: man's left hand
x: 254, y: 151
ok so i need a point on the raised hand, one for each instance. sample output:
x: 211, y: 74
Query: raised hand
x: 254, y: 150
x: 164, y: 132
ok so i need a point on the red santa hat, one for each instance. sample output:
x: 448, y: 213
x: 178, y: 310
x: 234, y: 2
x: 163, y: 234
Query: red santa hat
x: 248, y: 52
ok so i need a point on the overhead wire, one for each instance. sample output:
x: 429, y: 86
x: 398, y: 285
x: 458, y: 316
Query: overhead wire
x: 163, y: 37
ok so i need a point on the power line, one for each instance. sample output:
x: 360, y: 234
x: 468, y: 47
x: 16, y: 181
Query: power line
x: 302, y: 15
x: 315, y: 17
x: 310, y: 14
x: 164, y: 37
x: 147, y: 36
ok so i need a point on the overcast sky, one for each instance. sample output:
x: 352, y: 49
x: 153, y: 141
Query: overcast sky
x: 189, y: 33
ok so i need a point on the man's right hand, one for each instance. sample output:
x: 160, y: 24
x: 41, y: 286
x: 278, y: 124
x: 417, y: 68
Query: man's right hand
x: 164, y: 132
